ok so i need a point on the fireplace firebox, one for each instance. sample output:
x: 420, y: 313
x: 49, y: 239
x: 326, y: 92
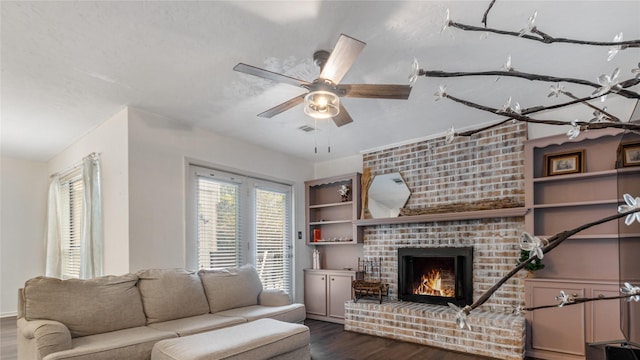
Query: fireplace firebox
x: 436, y: 275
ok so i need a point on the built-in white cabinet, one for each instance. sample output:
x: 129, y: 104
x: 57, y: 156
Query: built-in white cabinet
x: 325, y: 292
x: 562, y: 332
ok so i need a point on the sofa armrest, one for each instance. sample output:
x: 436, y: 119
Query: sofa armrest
x: 273, y: 297
x: 49, y: 336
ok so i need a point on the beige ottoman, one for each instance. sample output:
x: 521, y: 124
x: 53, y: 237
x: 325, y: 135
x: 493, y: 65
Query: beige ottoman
x: 260, y: 339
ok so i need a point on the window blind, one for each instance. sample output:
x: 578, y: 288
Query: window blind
x: 218, y: 223
x: 273, y: 238
x: 71, y: 188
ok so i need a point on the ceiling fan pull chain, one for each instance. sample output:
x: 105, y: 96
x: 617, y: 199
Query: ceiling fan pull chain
x: 328, y: 139
x: 315, y: 135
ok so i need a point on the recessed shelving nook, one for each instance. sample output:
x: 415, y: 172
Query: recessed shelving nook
x: 330, y: 218
x: 587, y: 263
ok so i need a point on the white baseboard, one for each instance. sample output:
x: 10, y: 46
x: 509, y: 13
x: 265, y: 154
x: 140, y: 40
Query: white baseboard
x: 9, y: 314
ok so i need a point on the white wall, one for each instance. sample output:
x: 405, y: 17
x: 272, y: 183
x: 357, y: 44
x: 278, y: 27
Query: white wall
x: 159, y: 152
x: 110, y: 140
x: 23, y: 199
x: 345, y: 165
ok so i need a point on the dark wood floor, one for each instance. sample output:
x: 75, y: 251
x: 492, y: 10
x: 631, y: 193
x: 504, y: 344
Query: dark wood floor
x: 328, y: 342
x: 8, y: 341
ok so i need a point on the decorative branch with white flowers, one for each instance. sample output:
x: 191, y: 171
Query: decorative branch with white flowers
x: 512, y: 111
x: 606, y: 83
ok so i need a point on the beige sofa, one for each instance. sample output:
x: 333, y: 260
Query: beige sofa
x: 122, y: 317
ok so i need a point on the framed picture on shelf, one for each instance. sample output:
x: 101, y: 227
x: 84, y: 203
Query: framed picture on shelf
x: 564, y: 163
x: 629, y: 154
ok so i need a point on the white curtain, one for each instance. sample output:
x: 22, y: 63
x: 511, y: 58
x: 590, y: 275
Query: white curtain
x: 91, y: 240
x: 92, y: 236
x: 54, y: 230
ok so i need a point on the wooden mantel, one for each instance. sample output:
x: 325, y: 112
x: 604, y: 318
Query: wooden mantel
x: 464, y: 215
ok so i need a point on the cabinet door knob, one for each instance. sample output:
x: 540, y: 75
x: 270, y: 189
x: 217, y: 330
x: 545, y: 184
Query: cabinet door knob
x: 332, y: 279
x: 322, y: 278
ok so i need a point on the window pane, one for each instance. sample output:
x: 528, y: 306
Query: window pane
x: 272, y: 244
x: 218, y: 229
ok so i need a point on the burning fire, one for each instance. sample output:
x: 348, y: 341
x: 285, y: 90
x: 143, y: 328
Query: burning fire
x: 431, y: 284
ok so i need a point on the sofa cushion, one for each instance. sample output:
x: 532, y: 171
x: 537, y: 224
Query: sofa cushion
x: 86, y: 307
x: 169, y: 294
x: 289, y: 313
x: 231, y: 287
x: 197, y: 324
x: 130, y: 344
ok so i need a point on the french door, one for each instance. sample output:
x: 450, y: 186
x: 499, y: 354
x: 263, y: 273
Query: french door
x: 240, y: 220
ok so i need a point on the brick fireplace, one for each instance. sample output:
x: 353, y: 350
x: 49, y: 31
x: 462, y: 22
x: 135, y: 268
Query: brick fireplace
x: 489, y: 166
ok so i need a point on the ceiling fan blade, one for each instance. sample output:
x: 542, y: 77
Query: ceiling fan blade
x: 342, y: 57
x: 270, y: 75
x: 343, y: 117
x: 283, y: 107
x: 376, y: 91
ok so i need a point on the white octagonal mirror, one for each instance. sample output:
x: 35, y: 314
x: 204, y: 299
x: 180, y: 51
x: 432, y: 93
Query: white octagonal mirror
x: 387, y: 194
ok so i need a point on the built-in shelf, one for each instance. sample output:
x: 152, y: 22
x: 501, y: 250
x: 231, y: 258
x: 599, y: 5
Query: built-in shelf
x: 318, y: 206
x: 571, y: 177
x: 330, y: 222
x: 464, y: 215
x: 593, y: 174
x: 595, y: 236
x: 576, y: 203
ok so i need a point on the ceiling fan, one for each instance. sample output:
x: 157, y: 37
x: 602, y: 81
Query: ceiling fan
x: 322, y: 99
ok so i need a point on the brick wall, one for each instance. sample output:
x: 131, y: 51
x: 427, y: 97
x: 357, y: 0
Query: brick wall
x: 488, y: 166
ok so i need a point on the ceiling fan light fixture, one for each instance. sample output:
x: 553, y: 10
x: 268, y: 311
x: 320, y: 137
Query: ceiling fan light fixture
x: 321, y: 104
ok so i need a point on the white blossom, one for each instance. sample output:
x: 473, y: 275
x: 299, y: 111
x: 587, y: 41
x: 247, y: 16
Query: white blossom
x: 517, y: 310
x: 614, y: 49
x: 607, y: 83
x: 451, y: 135
x: 632, y: 291
x: 556, y: 90
x: 599, y: 116
x: 441, y: 93
x: 447, y: 21
x: 533, y: 244
x: 575, y: 130
x: 565, y: 299
x: 415, y: 72
x: 507, y: 65
x: 531, y: 24
x: 516, y: 109
x: 631, y: 204
x: 461, y: 316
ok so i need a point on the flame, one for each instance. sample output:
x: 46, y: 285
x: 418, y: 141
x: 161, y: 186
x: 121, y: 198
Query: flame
x: 431, y: 284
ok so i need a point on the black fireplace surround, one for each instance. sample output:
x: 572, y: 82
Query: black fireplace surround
x: 436, y: 275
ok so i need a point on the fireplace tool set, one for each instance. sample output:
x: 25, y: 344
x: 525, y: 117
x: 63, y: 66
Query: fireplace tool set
x: 368, y: 283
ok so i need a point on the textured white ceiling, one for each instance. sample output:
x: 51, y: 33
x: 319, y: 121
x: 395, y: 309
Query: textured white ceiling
x: 68, y: 66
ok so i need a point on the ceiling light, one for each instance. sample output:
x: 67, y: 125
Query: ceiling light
x: 321, y: 104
